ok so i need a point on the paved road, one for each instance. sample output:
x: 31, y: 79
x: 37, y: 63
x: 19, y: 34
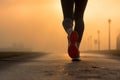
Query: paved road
x: 59, y: 67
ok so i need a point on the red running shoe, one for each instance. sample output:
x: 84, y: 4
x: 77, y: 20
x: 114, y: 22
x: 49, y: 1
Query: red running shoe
x: 73, y: 50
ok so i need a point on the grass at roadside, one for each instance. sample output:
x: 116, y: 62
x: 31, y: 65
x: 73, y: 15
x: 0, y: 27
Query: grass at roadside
x: 15, y: 54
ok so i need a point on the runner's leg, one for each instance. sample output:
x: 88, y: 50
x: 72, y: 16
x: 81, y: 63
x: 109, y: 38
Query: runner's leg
x: 67, y: 7
x: 80, y: 6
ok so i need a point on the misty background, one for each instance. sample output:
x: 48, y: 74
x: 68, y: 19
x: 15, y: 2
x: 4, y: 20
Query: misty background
x: 36, y: 25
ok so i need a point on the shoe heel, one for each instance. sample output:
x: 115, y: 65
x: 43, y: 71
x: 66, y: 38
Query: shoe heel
x: 72, y: 49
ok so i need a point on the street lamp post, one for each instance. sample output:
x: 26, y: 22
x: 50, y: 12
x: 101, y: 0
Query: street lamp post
x: 109, y: 39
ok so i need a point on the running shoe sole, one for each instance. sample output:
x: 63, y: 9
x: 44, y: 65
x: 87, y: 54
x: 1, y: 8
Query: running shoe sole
x: 76, y: 59
x: 72, y: 49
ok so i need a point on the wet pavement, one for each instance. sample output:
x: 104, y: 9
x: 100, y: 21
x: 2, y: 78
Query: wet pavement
x: 60, y: 67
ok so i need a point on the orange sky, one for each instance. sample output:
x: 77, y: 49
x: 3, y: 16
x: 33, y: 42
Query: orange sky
x: 37, y: 24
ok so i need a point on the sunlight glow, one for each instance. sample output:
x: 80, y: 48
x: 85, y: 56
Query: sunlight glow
x: 38, y: 24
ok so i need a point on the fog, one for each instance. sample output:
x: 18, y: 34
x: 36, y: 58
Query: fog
x: 29, y: 26
x: 35, y: 25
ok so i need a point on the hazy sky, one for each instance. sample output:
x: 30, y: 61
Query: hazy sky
x: 37, y: 24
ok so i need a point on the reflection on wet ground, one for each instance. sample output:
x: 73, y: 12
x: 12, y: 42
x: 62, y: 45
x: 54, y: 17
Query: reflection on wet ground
x: 60, y: 67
